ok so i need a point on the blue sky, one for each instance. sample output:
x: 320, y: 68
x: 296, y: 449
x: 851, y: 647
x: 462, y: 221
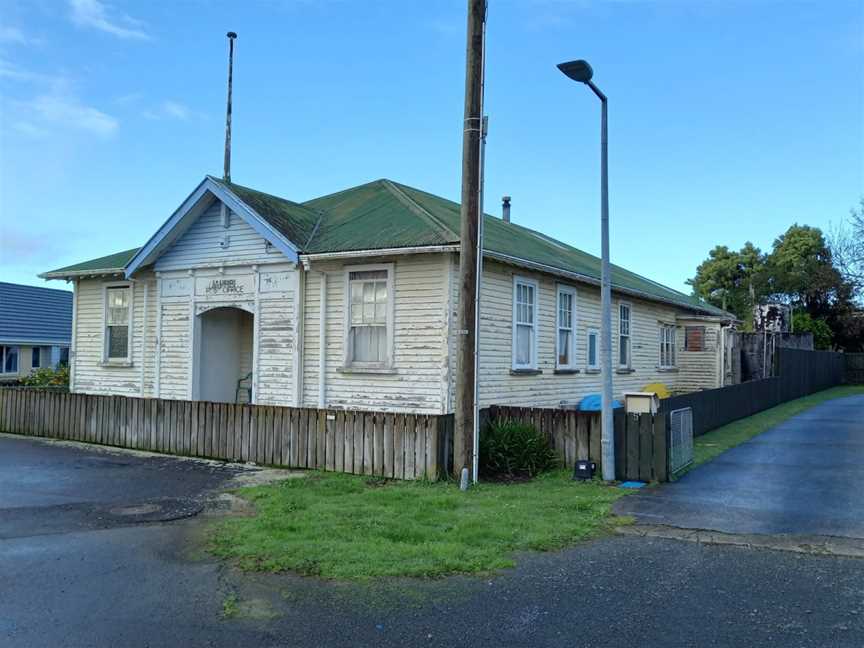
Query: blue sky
x: 729, y: 120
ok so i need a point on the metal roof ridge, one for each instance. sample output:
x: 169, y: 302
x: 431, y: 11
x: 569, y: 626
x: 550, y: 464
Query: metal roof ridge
x: 418, y: 209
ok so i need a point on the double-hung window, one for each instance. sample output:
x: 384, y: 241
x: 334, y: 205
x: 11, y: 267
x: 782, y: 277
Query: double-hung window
x: 370, y: 321
x: 118, y: 321
x: 667, y: 346
x: 524, y: 323
x: 8, y: 360
x: 565, y: 347
x: 592, y: 350
x: 624, y: 336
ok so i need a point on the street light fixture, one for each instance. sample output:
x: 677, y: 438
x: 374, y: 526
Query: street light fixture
x: 582, y: 72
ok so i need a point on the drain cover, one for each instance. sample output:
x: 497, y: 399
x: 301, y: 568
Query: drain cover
x: 140, y: 509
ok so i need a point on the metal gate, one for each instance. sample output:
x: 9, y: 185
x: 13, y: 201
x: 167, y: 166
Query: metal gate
x: 680, y: 439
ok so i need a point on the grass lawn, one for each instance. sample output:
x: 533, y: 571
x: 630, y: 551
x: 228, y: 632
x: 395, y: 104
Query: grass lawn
x: 348, y: 527
x: 717, y: 441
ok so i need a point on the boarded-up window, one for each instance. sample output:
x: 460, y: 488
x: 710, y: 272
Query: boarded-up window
x: 694, y: 338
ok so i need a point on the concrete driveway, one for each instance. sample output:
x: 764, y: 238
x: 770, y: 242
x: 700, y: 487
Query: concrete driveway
x: 805, y: 477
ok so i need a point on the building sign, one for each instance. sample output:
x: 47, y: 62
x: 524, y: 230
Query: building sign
x: 176, y: 287
x: 276, y: 281
x: 237, y: 287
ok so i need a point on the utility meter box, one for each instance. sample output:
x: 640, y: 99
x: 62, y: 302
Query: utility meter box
x: 641, y: 402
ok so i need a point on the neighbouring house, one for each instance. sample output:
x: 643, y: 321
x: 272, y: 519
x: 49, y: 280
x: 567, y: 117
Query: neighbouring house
x: 35, y: 329
x: 349, y: 301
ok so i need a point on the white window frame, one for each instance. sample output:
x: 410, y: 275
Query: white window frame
x: 532, y: 365
x: 596, y: 334
x: 3, y: 371
x: 390, y: 317
x: 669, y: 331
x: 105, y: 288
x: 565, y: 290
x: 629, y: 335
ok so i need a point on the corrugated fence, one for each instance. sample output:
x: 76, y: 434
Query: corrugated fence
x: 385, y: 444
x: 799, y: 373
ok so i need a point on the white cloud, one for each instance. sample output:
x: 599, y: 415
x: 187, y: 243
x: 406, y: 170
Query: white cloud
x: 176, y: 110
x: 30, y: 130
x: 68, y: 111
x: 15, y: 36
x: 169, y: 109
x: 98, y: 15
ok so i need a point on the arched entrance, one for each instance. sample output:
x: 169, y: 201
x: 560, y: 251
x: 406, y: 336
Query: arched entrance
x: 223, y: 352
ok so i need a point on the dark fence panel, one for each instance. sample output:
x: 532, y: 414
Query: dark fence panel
x: 854, y: 368
x: 799, y: 373
x: 641, y: 440
x: 385, y: 444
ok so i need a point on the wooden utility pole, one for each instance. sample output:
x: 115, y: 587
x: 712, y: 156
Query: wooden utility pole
x: 227, y: 170
x: 466, y: 348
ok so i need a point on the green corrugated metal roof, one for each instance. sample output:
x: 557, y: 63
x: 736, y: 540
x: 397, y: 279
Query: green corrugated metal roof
x: 374, y: 216
x: 113, y: 262
x: 371, y: 216
x: 294, y: 221
x: 385, y: 214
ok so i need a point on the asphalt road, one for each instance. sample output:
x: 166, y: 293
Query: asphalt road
x: 804, y: 476
x: 147, y: 583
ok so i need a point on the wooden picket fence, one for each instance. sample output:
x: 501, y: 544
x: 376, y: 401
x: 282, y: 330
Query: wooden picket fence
x: 384, y: 444
x: 641, y: 441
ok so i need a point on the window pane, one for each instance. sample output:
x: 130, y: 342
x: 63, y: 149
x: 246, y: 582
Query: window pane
x: 35, y: 358
x: 64, y: 356
x: 622, y: 350
x: 368, y: 312
x: 564, y: 347
x: 118, y: 341
x: 10, y: 363
x: 523, y: 345
x: 368, y: 343
x: 380, y: 313
x: 356, y: 313
x: 356, y: 292
x: 592, y: 350
x: 381, y: 292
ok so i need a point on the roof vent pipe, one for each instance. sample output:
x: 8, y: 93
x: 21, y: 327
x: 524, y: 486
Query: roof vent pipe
x: 505, y: 209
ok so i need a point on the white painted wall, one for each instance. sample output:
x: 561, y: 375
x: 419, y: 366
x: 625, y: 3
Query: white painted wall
x: 498, y: 386
x: 420, y: 339
x: 200, y: 245
x: 698, y: 369
x: 90, y: 375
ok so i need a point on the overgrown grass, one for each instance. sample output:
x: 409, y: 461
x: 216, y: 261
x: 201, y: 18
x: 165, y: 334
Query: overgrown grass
x: 718, y: 441
x: 347, y: 527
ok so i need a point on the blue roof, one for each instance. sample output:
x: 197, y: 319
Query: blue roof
x: 34, y: 315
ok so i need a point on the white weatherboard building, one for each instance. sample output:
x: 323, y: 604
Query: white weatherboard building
x: 349, y: 301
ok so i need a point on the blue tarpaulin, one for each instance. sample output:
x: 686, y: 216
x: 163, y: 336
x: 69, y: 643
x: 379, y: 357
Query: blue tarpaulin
x: 591, y: 403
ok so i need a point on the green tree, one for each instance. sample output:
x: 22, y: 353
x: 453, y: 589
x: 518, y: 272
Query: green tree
x: 731, y: 280
x: 801, y: 272
x: 822, y: 334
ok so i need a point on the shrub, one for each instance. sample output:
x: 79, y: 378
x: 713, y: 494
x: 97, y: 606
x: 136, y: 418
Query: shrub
x: 48, y: 377
x: 510, y: 449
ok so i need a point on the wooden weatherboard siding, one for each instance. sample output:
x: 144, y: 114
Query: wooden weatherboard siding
x: 200, y: 245
x: 90, y: 375
x: 382, y: 444
x: 549, y: 389
x: 419, y: 338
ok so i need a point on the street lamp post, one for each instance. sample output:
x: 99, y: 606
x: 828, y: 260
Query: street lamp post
x: 581, y: 71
